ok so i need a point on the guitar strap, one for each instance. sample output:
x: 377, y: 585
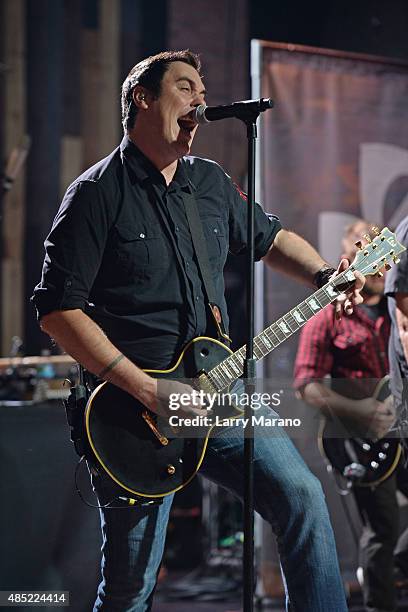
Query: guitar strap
x: 201, y: 251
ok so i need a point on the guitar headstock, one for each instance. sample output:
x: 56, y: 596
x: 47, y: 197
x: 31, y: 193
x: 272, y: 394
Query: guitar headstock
x: 379, y: 252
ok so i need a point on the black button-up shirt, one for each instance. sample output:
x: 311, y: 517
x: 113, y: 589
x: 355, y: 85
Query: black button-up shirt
x: 120, y: 249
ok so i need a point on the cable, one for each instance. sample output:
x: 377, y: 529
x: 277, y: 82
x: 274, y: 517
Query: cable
x: 131, y: 502
x: 343, y: 493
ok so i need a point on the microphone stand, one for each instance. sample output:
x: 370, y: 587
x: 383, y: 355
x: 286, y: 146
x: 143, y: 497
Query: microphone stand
x: 249, y: 383
x: 249, y: 117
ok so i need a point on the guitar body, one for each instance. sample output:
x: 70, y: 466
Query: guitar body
x: 378, y: 458
x: 127, y: 448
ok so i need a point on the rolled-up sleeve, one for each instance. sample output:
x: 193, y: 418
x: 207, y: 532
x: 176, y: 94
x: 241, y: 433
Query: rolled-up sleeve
x: 266, y: 225
x: 73, y: 250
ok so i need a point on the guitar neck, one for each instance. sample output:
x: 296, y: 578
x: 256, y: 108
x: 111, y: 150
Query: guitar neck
x: 231, y: 368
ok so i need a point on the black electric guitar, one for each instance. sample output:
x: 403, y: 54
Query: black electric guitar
x: 133, y: 445
x: 363, y: 461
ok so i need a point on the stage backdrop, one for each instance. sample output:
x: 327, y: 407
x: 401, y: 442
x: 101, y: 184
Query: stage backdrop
x: 335, y: 147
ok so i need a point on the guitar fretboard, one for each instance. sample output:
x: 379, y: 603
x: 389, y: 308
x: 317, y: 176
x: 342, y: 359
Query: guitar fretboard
x: 231, y: 368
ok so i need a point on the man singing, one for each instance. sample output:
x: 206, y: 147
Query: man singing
x: 121, y: 291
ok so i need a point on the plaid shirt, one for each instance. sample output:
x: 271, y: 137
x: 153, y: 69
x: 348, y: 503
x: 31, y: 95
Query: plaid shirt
x: 349, y: 350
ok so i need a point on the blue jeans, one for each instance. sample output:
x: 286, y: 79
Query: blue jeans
x: 286, y: 495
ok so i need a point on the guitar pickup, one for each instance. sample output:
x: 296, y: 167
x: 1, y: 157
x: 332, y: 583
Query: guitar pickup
x: 204, y: 383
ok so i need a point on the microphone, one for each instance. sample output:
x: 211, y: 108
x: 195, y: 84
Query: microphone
x: 246, y: 109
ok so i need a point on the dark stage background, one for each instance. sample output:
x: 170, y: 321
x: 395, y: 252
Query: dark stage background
x: 50, y: 540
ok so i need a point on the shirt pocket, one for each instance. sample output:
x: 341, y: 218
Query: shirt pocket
x: 216, y: 235
x: 351, y: 346
x: 140, y: 248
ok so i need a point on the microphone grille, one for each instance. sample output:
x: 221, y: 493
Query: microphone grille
x: 266, y: 103
x: 199, y: 115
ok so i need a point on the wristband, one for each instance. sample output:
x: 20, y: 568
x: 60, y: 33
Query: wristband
x: 323, y: 275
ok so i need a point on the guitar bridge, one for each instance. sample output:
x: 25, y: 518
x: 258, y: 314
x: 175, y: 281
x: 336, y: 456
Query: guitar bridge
x: 150, y: 422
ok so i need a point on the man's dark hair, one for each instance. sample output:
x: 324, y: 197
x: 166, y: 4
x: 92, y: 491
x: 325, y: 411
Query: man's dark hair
x: 149, y: 73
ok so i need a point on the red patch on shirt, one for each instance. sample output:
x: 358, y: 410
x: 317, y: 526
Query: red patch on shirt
x: 241, y: 193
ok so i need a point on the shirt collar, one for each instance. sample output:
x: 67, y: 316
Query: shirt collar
x: 381, y: 310
x: 143, y: 168
x: 181, y: 177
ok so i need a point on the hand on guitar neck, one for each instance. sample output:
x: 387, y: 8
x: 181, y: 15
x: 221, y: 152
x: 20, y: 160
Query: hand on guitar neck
x: 346, y: 301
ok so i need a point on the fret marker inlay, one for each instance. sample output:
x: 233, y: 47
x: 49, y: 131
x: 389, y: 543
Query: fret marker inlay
x: 284, y: 327
x: 266, y: 341
x: 297, y: 316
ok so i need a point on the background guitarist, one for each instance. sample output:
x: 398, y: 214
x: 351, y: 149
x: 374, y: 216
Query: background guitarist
x: 353, y: 352
x: 121, y: 291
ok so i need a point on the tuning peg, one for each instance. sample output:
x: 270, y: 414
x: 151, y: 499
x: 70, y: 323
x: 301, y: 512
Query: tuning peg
x: 367, y: 237
x: 396, y: 259
x: 359, y: 245
x: 387, y: 267
x: 380, y: 274
x: 375, y: 230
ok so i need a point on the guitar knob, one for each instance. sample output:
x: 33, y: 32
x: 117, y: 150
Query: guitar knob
x: 396, y: 259
x: 367, y: 237
x: 385, y: 445
x: 375, y: 230
x: 380, y: 274
x: 171, y: 469
x: 366, y: 447
x: 387, y: 267
x: 374, y: 465
x: 382, y: 456
x: 359, y: 245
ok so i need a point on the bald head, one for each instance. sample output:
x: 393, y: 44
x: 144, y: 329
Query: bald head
x: 352, y: 234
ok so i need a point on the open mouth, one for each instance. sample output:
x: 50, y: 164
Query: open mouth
x: 187, y: 125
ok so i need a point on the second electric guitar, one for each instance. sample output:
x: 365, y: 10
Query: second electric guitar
x: 364, y: 461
